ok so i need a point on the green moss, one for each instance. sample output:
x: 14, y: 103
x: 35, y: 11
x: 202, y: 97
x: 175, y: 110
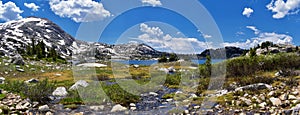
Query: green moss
x: 2, y: 96
x: 168, y: 96
x: 72, y: 106
x: 176, y: 111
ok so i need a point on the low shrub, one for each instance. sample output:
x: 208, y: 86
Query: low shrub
x: 173, y: 80
x: 118, y: 95
x: 40, y: 91
x: 202, y: 86
x: 245, y: 66
x: 35, y: 92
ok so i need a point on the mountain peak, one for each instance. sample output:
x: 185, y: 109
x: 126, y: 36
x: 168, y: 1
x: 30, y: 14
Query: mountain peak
x: 18, y: 34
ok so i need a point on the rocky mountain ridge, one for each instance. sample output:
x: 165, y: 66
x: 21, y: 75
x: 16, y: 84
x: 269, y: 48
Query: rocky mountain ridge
x: 18, y: 34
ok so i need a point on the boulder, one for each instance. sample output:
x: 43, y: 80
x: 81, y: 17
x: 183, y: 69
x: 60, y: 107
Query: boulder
x: 247, y: 101
x: 258, y: 86
x: 132, y: 108
x: 49, y: 113
x: 2, y: 80
x: 18, y: 60
x: 292, y: 97
x: 97, y: 108
x: 136, y: 66
x: 80, y: 83
x: 271, y: 93
x: 44, y: 108
x: 132, y: 105
x: 118, y: 108
x: 58, y: 75
x: 153, y: 94
x: 275, y: 101
x: 262, y: 105
x: 193, y: 95
x: 60, y: 92
x: 277, y: 74
x: 295, y: 92
x: 32, y: 80
x: 283, y: 97
x: 171, y: 70
x: 20, y: 70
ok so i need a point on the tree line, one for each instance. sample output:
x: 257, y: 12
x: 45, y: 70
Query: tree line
x: 40, y: 50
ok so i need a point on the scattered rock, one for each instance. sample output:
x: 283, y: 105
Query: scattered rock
x: 32, y: 81
x: 132, y: 105
x: 283, y: 97
x: 97, y: 108
x: 292, y: 97
x: 258, y: 86
x: 21, y: 70
x: 49, y: 113
x: 247, y: 101
x: 32, y: 69
x: 118, y: 108
x: 262, y: 105
x: 80, y: 113
x: 275, y: 101
x: 58, y: 75
x: 132, y: 108
x: 18, y: 60
x: 136, y: 66
x: 153, y: 93
x: 171, y: 70
x: 44, y: 108
x: 271, y: 93
x: 277, y: 74
x: 2, y: 80
x: 169, y: 100
x: 193, y: 96
x: 80, y: 83
x: 178, y: 92
x: 60, y: 91
x: 295, y: 92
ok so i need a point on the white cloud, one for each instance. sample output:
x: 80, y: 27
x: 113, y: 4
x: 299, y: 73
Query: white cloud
x: 156, y: 38
x: 281, y: 8
x: 206, y: 36
x: 79, y: 10
x: 32, y: 6
x: 9, y: 11
x: 239, y: 33
x: 152, y: 31
x: 247, y: 12
x: 253, y: 28
x: 262, y: 37
x: 152, y: 2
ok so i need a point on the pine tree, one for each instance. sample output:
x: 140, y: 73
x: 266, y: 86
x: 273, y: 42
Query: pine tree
x: 173, y: 57
x: 252, y: 52
x: 208, y: 66
x: 39, y: 52
x: 33, y: 52
x: 53, y: 54
x: 42, y: 47
x: 163, y: 58
x: 28, y: 50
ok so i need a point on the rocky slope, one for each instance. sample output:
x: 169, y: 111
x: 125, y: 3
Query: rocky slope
x: 16, y: 35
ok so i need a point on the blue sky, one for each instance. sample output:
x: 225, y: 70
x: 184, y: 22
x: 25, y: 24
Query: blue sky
x: 167, y: 24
